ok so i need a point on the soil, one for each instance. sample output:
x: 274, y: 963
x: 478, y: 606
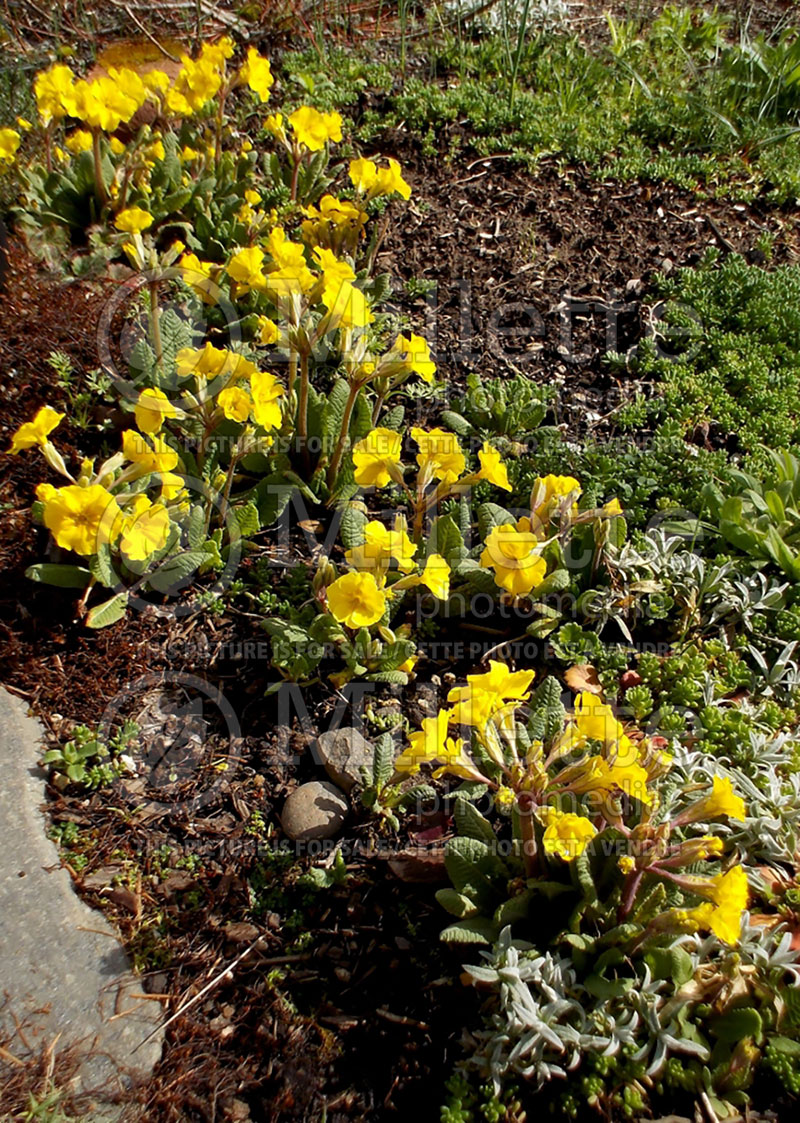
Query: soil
x: 364, y: 1021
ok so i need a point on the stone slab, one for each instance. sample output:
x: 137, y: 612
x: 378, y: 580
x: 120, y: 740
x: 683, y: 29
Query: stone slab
x: 62, y: 966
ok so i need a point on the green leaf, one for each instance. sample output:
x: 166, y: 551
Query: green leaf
x: 445, y: 539
x: 333, y: 411
x: 491, y: 515
x: 272, y: 495
x: 174, y: 570
x: 670, y: 963
x: 102, y: 567
x: 456, y: 903
x: 383, y: 761
x: 195, y: 527
x: 351, y: 528
x: 63, y: 576
x: 476, y: 930
x: 736, y: 1025
x: 393, y: 419
x: 248, y: 519
x: 458, y: 424
x: 107, y: 613
x: 470, y: 823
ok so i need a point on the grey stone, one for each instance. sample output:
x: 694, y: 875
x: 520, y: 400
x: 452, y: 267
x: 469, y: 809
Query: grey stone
x: 343, y: 753
x: 314, y: 810
x: 61, y: 963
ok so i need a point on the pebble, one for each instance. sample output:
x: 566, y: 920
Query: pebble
x: 343, y: 753
x: 314, y: 810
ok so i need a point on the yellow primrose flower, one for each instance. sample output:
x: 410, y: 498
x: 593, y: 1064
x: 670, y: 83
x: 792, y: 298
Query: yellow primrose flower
x: 133, y: 220
x: 152, y: 410
x: 363, y: 173
x: 596, y: 774
x: 514, y: 556
x: 409, y: 664
x: 9, y: 143
x: 257, y: 74
x: 252, y: 197
x: 208, y: 361
x: 550, y: 491
x: 81, y: 518
x: 79, y: 141
x: 171, y: 486
x: 380, y: 547
x: 153, y: 455
x: 24, y: 124
x: 436, y: 576
x: 156, y: 82
x: 439, y: 455
x: 145, y: 530
x: 428, y: 744
x: 200, y: 276
x: 355, y: 600
x: 566, y: 834
x: 347, y: 306
x: 627, y: 864
x: 36, y: 432
x: 492, y: 467
x: 267, y: 392
x: 613, y: 507
x: 45, y: 492
x: 285, y: 253
x: 721, y: 802
x: 334, y: 270
x: 274, y: 124
x: 234, y: 403
x: 389, y: 181
x: 491, y: 693
x: 53, y: 90
x: 314, y: 129
x: 596, y: 721
x: 377, y: 457
x: 245, y: 268
x: 116, y: 145
x: 268, y: 331
x: 723, y: 914
x: 413, y: 354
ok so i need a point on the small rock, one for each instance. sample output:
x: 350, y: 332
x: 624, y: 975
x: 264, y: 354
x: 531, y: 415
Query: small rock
x: 315, y: 810
x: 343, y: 753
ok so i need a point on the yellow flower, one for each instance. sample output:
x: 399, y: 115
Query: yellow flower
x: 314, y: 129
x: 36, y: 432
x: 274, y: 124
x: 363, y: 174
x: 81, y: 518
x: 334, y: 270
x: 722, y: 801
x: 439, y: 454
x: 347, y: 306
x: 156, y: 82
x: 436, y: 576
x: 116, y: 146
x: 492, y: 467
x: 234, y: 403
x: 377, y: 457
x: 252, y: 197
x: 267, y: 392
x: 257, y: 74
x: 389, y: 181
x: 9, y: 143
x: 245, y: 267
x: 153, y: 455
x: 79, y: 141
x: 413, y: 354
x: 723, y: 913
x: 429, y: 744
x: 566, y: 834
x: 200, y: 276
x: 53, y: 90
x: 613, y: 507
x: 595, y: 720
x: 514, y: 557
x: 599, y: 775
x: 550, y: 491
x: 409, y: 664
x: 145, y: 530
x: 133, y: 220
x: 356, y: 600
x: 627, y: 864
x: 45, y: 492
x: 495, y: 692
x: 208, y: 361
x: 268, y: 331
x: 152, y: 410
x: 380, y: 547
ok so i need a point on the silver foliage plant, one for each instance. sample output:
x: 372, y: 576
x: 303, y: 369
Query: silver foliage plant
x: 545, y: 1021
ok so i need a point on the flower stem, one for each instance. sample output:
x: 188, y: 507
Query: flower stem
x: 155, y: 325
x: 99, y: 186
x: 302, y: 407
x: 336, y: 459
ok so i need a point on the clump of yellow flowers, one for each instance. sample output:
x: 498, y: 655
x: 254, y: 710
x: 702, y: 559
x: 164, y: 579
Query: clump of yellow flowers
x: 593, y: 779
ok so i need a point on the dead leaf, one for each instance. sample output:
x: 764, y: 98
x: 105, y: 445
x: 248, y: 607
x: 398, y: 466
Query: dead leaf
x: 419, y: 866
x: 583, y: 676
